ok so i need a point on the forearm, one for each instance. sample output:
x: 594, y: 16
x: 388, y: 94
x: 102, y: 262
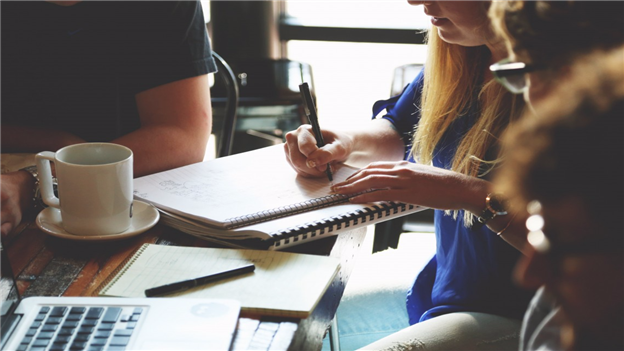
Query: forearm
x: 516, y: 233
x: 162, y: 147
x: 376, y: 141
x: 31, y: 139
x: 176, y: 120
x: 511, y: 226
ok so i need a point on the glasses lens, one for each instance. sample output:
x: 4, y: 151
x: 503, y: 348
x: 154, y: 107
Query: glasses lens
x: 514, y: 83
x: 510, y: 75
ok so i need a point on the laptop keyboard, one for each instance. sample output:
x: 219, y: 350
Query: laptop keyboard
x: 58, y: 328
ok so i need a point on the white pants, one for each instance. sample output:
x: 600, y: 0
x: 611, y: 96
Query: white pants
x: 465, y: 331
x: 373, y: 308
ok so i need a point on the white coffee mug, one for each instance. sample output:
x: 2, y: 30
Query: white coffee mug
x: 94, y: 187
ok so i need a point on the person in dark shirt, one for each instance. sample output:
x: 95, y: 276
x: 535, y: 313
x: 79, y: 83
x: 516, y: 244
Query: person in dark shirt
x: 128, y: 72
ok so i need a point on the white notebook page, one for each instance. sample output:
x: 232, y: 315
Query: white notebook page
x: 240, y: 185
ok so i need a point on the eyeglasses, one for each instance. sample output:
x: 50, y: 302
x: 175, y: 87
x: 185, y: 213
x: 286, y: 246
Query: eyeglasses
x: 511, y: 74
x: 545, y: 246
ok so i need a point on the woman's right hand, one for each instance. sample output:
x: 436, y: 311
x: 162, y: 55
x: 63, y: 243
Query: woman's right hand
x: 309, y: 160
x: 16, y: 197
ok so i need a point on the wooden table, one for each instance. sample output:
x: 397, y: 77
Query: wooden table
x: 49, y: 266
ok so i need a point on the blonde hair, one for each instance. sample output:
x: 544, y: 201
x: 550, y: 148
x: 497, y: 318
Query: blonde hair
x: 454, y: 77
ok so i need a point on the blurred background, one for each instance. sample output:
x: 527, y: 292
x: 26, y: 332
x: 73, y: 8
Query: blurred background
x: 351, y: 52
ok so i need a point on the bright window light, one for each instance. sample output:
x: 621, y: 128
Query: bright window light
x: 350, y: 77
x: 358, y: 13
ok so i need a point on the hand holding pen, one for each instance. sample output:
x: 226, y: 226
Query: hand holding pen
x: 310, y: 111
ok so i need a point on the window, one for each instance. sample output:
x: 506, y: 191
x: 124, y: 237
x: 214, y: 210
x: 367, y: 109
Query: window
x: 376, y: 36
x: 350, y: 76
x: 390, y: 14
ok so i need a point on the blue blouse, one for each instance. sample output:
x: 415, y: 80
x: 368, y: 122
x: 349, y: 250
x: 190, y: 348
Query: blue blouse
x: 472, y: 268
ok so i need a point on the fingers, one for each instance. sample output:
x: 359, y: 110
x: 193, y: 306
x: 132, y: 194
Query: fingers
x: 13, y: 199
x: 299, y: 144
x: 378, y: 195
x: 6, y: 228
x: 306, y: 141
x: 377, y: 172
x: 409, y: 183
x: 305, y: 156
x: 327, y: 154
x: 380, y: 181
x: 366, y: 183
x: 377, y: 168
x: 10, y: 218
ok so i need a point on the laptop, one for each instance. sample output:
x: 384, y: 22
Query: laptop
x: 109, y: 323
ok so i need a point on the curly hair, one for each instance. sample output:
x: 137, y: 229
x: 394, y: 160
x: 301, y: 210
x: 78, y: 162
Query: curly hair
x: 574, y: 146
x: 553, y: 33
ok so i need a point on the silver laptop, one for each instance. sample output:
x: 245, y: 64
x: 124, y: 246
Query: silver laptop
x: 108, y: 323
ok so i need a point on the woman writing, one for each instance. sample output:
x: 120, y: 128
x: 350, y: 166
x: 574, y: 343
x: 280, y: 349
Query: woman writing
x: 458, y: 112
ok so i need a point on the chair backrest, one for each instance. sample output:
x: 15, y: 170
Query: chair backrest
x: 228, y: 126
x: 404, y: 75
x: 387, y: 233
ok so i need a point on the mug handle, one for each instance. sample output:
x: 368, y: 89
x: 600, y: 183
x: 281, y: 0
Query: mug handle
x: 45, y: 178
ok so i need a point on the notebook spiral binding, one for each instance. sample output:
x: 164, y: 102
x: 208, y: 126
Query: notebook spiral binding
x: 122, y: 268
x: 284, y: 211
x: 329, y: 225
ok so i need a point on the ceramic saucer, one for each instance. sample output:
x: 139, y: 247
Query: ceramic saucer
x: 144, y: 217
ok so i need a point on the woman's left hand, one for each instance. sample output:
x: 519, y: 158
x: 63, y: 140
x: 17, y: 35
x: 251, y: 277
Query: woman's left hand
x: 415, y: 184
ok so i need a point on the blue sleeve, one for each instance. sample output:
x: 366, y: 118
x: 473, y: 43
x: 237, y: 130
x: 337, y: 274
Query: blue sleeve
x: 403, y: 110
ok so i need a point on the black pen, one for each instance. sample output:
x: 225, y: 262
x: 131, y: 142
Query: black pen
x: 191, y: 283
x: 310, y: 111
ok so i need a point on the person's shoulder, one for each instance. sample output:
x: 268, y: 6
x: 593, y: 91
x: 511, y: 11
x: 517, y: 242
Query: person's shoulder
x: 156, y: 8
x: 171, y: 3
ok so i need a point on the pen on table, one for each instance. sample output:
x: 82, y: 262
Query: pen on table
x: 310, y: 112
x: 191, y: 283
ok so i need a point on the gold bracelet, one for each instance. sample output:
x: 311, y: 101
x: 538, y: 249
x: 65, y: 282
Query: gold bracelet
x: 507, y: 226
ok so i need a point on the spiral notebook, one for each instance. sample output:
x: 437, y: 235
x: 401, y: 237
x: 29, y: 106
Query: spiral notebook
x: 255, y: 199
x: 283, y: 284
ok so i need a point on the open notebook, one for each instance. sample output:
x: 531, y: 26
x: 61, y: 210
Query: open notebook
x: 255, y: 199
x: 283, y: 284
